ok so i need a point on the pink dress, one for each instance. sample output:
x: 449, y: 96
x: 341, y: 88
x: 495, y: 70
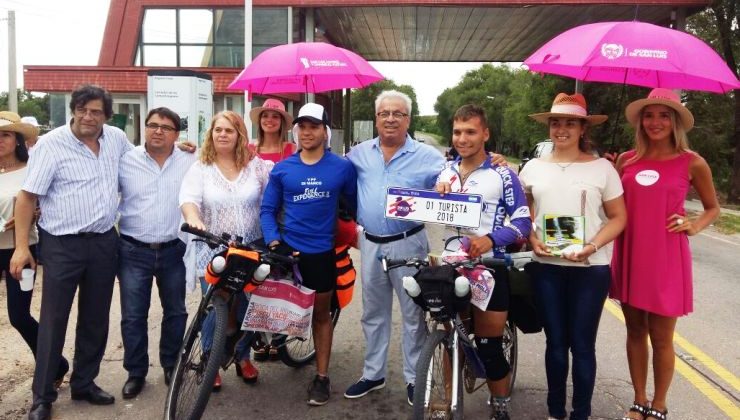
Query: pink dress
x: 651, y: 267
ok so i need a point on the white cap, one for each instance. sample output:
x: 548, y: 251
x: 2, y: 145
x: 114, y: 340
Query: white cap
x: 30, y: 120
x: 312, y: 112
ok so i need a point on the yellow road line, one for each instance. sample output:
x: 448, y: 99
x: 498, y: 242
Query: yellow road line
x: 715, y: 396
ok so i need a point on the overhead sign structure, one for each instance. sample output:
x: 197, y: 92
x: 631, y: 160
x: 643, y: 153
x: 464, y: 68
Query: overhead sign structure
x: 189, y: 94
x: 452, y: 209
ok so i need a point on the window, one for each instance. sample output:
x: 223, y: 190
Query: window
x: 207, y: 37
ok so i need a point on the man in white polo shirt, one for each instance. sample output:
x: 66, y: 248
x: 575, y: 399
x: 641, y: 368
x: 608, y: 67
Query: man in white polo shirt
x: 149, y: 178
x: 73, y: 172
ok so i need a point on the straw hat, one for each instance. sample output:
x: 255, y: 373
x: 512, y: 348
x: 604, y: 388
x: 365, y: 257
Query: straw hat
x: 660, y: 96
x: 569, y: 106
x: 270, y: 105
x: 10, y: 121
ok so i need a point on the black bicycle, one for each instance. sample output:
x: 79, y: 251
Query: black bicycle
x: 199, y: 361
x: 448, y: 362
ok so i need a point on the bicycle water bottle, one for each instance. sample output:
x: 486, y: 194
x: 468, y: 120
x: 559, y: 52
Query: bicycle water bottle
x: 462, y: 286
x: 218, y: 264
x: 261, y: 272
x: 411, y: 286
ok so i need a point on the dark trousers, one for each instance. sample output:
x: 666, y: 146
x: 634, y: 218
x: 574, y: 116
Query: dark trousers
x: 136, y: 268
x: 71, y: 262
x: 19, y: 302
x: 570, y: 301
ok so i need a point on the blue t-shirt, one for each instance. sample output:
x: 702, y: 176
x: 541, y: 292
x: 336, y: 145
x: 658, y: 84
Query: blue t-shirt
x: 308, y: 195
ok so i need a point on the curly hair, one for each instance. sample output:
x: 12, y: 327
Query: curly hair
x: 242, y: 153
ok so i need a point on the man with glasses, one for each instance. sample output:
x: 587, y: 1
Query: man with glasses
x: 73, y: 172
x: 149, y: 181
x: 393, y: 159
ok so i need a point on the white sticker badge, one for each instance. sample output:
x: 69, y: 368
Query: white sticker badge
x: 647, y: 177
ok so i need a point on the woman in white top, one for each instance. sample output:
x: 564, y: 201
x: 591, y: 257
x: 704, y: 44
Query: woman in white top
x: 222, y: 192
x: 577, y: 199
x: 13, y: 158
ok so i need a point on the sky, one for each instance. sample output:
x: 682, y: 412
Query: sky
x: 70, y: 32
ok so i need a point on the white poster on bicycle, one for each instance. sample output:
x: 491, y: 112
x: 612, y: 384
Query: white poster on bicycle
x: 280, y: 307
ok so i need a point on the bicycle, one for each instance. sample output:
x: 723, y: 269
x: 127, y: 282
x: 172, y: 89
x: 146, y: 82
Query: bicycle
x: 448, y: 363
x: 196, y: 368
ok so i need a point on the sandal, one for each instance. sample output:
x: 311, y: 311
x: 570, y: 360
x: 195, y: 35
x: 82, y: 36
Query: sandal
x: 638, y: 408
x: 657, y: 414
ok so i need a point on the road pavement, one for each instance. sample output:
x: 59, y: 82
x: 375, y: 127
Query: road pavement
x: 705, y: 387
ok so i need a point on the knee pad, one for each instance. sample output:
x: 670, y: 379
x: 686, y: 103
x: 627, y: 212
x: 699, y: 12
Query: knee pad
x: 491, y: 352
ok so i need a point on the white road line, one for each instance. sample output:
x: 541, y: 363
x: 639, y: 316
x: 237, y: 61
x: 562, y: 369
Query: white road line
x: 719, y: 239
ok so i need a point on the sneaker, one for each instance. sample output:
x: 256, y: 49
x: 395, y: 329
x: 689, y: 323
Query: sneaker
x: 319, y: 390
x: 499, y: 408
x: 410, y: 394
x: 363, y: 387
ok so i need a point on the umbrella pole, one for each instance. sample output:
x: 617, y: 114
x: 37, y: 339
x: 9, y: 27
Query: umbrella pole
x: 619, y: 108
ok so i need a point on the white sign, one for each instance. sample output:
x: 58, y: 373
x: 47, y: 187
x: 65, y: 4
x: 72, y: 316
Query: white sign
x: 280, y: 307
x: 452, y: 209
x: 189, y: 94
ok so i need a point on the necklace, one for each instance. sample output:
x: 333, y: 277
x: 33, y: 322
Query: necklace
x: 563, y: 167
x: 5, y: 167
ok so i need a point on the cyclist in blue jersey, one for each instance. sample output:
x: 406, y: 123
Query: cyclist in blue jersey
x: 304, y: 190
x: 473, y: 173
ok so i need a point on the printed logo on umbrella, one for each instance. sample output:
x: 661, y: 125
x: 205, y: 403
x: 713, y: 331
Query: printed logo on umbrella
x: 322, y: 63
x: 402, y: 207
x: 612, y: 51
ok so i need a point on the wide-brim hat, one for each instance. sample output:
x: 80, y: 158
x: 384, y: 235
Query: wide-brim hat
x: 569, y: 106
x: 660, y: 96
x: 10, y: 121
x: 270, y: 105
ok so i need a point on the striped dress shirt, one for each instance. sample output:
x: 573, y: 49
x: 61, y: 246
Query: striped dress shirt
x: 78, y: 191
x: 149, y: 206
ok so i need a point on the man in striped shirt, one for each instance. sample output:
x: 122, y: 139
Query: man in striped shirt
x: 149, y: 178
x: 73, y: 172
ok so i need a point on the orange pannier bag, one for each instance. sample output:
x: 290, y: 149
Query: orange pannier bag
x: 346, y: 275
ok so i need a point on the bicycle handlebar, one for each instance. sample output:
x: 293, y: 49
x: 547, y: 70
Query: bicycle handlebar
x: 266, y: 255
x: 489, y: 262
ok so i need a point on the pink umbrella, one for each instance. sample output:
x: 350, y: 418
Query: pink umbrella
x: 635, y: 53
x: 305, y: 67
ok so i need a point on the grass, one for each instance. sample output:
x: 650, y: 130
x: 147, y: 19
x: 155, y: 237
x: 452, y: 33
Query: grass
x: 729, y: 224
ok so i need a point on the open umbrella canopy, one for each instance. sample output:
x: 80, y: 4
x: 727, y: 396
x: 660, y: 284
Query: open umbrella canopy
x: 305, y: 67
x: 635, y: 53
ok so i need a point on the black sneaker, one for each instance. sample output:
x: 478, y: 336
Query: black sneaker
x: 319, y: 390
x: 499, y: 408
x: 363, y: 387
x: 410, y: 394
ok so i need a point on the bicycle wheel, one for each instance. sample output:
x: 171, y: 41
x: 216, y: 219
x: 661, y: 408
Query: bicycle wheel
x: 298, y: 352
x: 195, y: 371
x: 510, y: 350
x: 432, y: 392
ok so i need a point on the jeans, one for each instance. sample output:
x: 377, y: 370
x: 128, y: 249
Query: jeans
x: 137, y: 267
x: 570, y: 301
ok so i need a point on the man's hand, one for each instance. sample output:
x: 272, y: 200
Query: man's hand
x: 186, y: 146
x: 443, y: 188
x: 196, y: 223
x: 21, y: 258
x: 480, y: 245
x: 499, y: 160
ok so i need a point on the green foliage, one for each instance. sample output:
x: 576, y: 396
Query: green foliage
x: 363, y: 101
x: 427, y: 124
x: 29, y: 105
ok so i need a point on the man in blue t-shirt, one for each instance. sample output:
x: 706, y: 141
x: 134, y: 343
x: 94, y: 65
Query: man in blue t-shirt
x: 306, y: 187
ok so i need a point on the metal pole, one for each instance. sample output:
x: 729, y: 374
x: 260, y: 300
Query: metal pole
x: 247, y: 51
x: 310, y: 28
x: 12, y: 77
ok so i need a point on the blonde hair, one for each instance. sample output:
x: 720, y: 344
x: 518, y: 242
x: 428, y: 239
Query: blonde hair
x: 679, y: 139
x: 242, y: 153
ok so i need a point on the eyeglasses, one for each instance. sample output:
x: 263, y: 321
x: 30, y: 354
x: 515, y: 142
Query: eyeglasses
x: 82, y: 111
x: 396, y: 114
x: 167, y: 129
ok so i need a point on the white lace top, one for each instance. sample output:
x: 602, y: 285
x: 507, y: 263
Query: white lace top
x: 225, y: 206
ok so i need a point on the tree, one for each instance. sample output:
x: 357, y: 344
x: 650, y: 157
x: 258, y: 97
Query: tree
x: 29, y: 105
x: 363, y: 101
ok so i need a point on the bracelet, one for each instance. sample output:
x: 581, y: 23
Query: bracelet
x: 596, y: 247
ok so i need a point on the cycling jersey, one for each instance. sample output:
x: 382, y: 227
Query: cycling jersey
x: 503, y: 196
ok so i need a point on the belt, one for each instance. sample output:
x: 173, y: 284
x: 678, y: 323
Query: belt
x: 161, y: 245
x: 393, y: 238
x: 86, y: 234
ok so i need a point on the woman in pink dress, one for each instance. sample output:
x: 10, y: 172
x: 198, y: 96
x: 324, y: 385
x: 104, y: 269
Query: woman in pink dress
x: 651, y: 264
